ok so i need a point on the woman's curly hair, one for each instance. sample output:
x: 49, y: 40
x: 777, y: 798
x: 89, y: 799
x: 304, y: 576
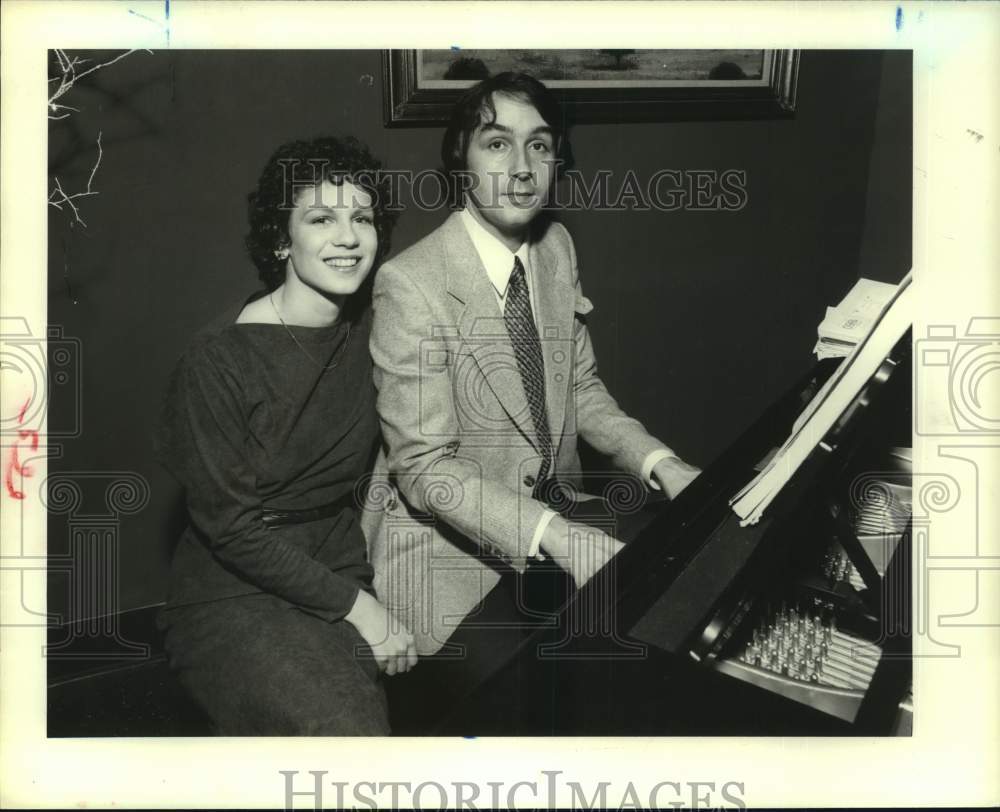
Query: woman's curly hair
x: 300, y: 166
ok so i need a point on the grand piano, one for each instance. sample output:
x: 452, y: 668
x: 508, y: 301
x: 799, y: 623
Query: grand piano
x: 796, y: 625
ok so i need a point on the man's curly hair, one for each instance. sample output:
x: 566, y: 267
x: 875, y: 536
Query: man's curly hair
x: 300, y: 166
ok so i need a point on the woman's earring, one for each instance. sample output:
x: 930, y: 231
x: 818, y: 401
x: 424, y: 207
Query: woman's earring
x: 282, y: 253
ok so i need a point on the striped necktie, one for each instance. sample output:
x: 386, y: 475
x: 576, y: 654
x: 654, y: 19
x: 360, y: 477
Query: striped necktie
x: 528, y: 351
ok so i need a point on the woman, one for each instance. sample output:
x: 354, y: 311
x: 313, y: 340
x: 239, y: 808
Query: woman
x: 272, y: 624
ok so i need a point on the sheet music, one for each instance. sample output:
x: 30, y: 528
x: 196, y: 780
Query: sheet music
x: 893, y: 319
x: 846, y: 324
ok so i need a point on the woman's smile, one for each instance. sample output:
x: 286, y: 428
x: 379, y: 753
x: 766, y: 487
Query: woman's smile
x: 343, y: 263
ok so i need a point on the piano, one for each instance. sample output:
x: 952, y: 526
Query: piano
x: 796, y: 625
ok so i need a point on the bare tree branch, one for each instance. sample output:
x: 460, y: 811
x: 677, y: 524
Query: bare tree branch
x: 70, y: 70
x: 68, y: 66
x: 59, y: 198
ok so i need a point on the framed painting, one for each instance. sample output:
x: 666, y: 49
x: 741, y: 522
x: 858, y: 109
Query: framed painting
x: 420, y: 86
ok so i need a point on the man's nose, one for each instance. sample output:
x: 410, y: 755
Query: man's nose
x: 521, y: 168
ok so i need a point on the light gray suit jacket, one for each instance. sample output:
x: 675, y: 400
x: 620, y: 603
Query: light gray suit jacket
x: 451, y: 491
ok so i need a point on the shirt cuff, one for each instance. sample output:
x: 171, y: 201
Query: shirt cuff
x: 536, y: 540
x: 651, y: 459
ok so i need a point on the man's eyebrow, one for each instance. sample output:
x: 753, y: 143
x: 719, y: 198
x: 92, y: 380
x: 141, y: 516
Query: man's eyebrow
x: 547, y: 130
x: 494, y: 126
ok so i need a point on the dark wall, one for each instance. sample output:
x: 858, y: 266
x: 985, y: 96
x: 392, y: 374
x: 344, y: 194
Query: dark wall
x: 701, y: 318
x: 886, y: 243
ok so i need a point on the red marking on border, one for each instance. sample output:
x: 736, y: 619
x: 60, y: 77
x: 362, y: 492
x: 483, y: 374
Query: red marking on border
x: 15, y: 465
x: 8, y: 479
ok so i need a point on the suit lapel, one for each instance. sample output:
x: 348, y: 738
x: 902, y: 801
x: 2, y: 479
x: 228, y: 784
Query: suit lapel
x: 481, y: 325
x: 554, y: 301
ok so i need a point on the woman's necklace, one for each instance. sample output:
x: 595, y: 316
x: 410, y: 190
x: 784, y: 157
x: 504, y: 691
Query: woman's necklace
x: 298, y: 344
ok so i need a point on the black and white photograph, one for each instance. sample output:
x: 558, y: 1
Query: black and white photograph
x: 437, y: 432
x: 462, y: 396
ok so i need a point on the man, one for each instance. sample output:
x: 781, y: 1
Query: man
x: 486, y: 378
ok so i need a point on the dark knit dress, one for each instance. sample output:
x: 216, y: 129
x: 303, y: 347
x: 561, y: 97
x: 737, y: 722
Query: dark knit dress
x: 254, y: 619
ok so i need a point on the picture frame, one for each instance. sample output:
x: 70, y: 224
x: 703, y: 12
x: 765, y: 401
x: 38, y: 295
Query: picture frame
x: 420, y: 87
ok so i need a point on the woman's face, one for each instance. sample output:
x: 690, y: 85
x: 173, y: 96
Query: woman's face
x: 333, y: 238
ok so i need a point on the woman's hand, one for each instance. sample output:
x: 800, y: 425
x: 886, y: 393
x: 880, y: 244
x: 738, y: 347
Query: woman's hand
x: 391, y: 642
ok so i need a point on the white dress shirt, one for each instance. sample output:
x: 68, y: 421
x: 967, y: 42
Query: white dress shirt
x: 498, y: 260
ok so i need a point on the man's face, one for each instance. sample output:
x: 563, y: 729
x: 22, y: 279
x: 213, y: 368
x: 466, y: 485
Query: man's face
x: 511, y: 162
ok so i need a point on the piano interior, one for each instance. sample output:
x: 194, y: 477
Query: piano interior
x: 816, y: 637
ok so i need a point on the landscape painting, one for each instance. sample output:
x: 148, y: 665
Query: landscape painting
x: 611, y: 84
x: 585, y: 67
